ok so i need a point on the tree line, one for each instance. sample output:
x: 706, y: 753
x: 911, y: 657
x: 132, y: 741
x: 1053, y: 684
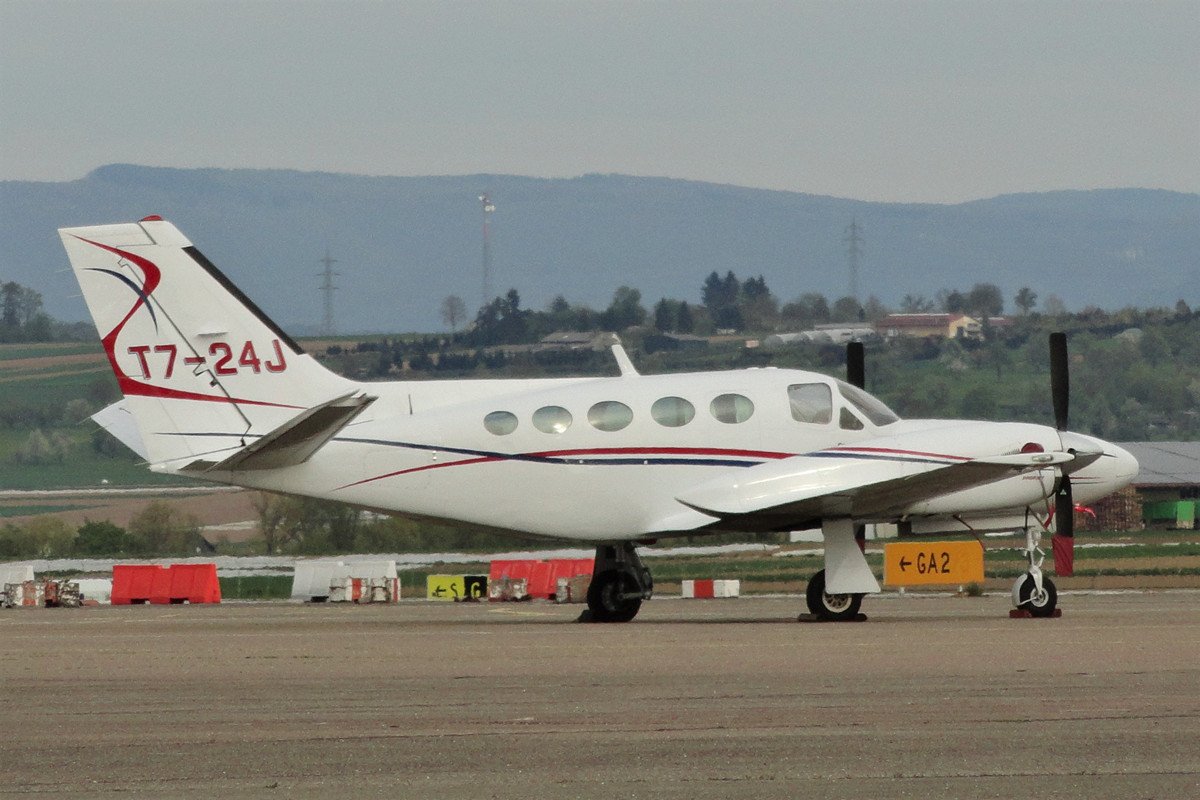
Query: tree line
x: 728, y: 304
x: 23, y: 320
x: 1136, y: 372
x: 289, y: 526
x: 156, y: 530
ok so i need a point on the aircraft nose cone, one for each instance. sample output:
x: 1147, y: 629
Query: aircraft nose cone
x: 1126, y: 466
x: 1114, y: 469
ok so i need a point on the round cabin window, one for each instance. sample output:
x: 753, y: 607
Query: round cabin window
x: 609, y: 415
x: 500, y: 423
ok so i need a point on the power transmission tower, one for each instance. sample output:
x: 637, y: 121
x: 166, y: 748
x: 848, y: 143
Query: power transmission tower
x: 488, y: 207
x: 853, y: 252
x: 327, y: 329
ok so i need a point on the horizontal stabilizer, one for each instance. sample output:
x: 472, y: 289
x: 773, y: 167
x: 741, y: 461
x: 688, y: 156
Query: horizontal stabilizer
x: 295, y: 441
x: 117, y: 420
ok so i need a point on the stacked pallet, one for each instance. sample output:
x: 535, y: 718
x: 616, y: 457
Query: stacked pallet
x: 1120, y: 511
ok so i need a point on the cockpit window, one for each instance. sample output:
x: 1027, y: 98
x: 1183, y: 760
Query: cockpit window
x: 848, y: 422
x: 872, y: 408
x: 811, y: 403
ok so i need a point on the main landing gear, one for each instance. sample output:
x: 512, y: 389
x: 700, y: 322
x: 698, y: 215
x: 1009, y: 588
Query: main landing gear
x: 846, y: 569
x: 830, y: 607
x: 1033, y: 591
x: 620, y: 582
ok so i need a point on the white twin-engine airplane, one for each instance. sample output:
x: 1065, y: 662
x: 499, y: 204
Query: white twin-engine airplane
x: 213, y: 389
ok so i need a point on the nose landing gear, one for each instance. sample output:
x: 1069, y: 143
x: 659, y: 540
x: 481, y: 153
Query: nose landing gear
x: 1034, y: 591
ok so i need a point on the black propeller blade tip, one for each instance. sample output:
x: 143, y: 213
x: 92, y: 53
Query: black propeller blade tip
x: 856, y: 365
x: 1060, y: 380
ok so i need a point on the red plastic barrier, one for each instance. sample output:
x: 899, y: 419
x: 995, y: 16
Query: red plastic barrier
x: 541, y: 580
x: 160, y: 586
x: 154, y: 583
x: 541, y: 576
x: 567, y: 568
x: 132, y: 583
x: 194, y: 583
x: 509, y: 569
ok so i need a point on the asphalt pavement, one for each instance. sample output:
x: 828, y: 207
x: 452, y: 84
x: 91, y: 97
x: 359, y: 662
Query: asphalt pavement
x: 942, y: 697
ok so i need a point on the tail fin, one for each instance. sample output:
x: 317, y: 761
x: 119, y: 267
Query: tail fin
x: 203, y: 370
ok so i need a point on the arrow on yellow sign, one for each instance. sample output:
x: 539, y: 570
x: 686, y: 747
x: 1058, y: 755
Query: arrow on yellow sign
x: 932, y: 563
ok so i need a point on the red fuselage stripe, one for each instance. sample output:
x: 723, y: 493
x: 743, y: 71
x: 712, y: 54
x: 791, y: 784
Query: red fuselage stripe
x: 893, y: 452
x: 661, y: 451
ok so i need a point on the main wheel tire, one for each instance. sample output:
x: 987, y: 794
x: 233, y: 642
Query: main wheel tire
x: 838, y: 607
x: 1042, y: 605
x: 606, y: 597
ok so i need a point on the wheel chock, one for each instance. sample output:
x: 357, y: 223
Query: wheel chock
x: 859, y: 617
x: 1021, y: 613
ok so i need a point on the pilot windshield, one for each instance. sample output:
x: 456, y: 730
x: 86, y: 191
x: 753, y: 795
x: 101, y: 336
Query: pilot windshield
x: 871, y: 407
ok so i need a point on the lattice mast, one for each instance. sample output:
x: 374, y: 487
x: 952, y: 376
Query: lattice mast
x: 853, y: 241
x: 327, y: 287
x: 488, y: 207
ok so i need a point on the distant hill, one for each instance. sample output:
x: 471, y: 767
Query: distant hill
x: 404, y: 243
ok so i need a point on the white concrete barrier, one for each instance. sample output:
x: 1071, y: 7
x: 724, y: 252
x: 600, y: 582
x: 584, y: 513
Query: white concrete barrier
x: 15, y: 573
x: 709, y: 588
x: 331, y: 580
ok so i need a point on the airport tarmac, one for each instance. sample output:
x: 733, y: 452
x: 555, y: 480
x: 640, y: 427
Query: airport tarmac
x: 941, y: 697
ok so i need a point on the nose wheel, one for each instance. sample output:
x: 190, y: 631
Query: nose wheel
x: 1035, y: 594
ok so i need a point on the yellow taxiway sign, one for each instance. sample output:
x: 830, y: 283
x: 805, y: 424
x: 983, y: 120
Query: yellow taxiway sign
x: 932, y: 563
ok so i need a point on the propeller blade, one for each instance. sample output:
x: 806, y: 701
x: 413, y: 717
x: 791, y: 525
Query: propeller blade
x: 1064, y: 525
x: 1060, y: 379
x: 856, y: 365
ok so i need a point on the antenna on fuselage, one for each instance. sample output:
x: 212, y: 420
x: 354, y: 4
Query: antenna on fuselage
x: 628, y: 370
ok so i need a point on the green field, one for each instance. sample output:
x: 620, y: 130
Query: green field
x: 29, y: 511
x: 41, y: 350
x: 46, y: 387
x: 37, y: 397
x: 82, y: 468
x: 256, y: 587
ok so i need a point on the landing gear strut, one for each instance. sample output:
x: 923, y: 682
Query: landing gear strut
x: 620, y: 582
x: 1033, y: 591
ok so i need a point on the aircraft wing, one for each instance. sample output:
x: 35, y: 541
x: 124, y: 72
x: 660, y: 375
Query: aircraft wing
x: 856, y: 482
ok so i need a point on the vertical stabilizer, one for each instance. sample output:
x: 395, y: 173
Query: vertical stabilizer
x: 203, y: 370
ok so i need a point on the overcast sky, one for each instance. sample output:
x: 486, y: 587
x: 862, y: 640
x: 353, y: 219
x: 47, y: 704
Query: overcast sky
x: 905, y: 101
